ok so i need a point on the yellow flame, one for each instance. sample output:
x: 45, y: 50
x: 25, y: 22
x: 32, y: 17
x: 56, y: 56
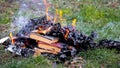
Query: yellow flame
x: 74, y: 22
x: 61, y: 14
x: 11, y: 36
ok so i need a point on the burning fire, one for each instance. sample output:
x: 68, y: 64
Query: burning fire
x: 11, y: 37
x: 44, y: 31
x: 74, y: 22
x: 55, y: 18
x: 61, y: 13
x: 60, y: 41
x: 47, y: 9
x: 66, y: 34
x: 50, y: 37
x: 58, y: 12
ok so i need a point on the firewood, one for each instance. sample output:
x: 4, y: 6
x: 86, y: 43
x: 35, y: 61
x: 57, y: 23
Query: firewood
x: 43, y: 38
x: 39, y: 51
x: 49, y: 47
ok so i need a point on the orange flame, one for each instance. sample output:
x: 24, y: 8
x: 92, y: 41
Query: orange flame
x: 11, y: 36
x: 47, y: 30
x: 74, y: 22
x: 56, y: 14
x: 55, y: 19
x: 66, y: 35
x: 47, y: 8
x: 47, y: 15
x: 44, y: 31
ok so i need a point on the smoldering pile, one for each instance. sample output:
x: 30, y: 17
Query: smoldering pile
x: 42, y: 36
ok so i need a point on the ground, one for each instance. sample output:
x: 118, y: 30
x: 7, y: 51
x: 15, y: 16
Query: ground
x: 101, y: 16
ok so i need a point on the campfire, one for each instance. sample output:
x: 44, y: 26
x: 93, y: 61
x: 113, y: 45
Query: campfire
x: 42, y: 36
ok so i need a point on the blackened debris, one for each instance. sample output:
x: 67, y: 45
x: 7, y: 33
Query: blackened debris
x: 26, y: 52
x: 74, y: 40
x: 67, y: 34
x: 109, y: 44
x: 33, y: 24
x: 29, y: 43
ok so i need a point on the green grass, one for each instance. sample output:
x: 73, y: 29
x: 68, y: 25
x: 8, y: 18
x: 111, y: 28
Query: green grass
x: 7, y: 10
x: 39, y: 62
x: 9, y: 61
x: 92, y: 15
x: 101, y: 57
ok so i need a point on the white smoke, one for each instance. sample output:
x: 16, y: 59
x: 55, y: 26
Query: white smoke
x: 28, y: 9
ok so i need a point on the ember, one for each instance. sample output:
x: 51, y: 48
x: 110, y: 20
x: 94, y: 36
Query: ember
x: 41, y: 36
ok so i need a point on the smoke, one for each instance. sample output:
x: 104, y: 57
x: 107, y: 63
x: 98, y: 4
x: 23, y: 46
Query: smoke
x: 27, y: 9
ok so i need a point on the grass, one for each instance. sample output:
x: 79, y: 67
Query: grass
x: 101, y: 57
x: 93, y: 15
x: 7, y: 8
x: 101, y: 16
x: 9, y: 61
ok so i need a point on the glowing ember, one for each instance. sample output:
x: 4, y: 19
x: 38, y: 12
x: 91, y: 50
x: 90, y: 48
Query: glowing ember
x: 66, y: 35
